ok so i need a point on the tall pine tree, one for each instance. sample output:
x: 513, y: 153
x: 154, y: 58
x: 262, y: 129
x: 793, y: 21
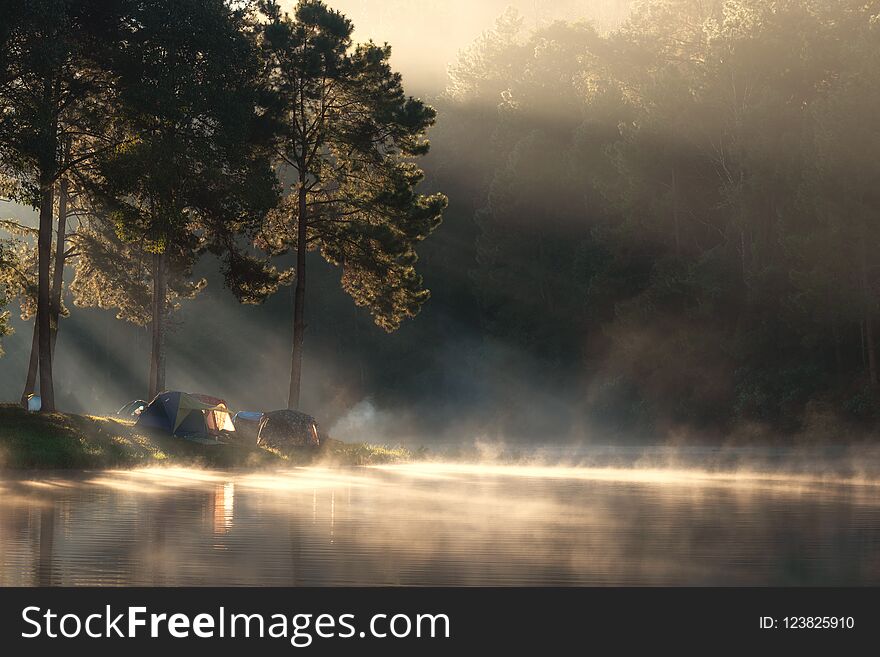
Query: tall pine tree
x: 191, y: 175
x: 348, y: 137
x: 52, y: 82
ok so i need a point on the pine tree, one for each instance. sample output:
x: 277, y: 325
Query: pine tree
x: 348, y: 137
x: 51, y: 82
x: 190, y: 176
x: 112, y: 273
x: 5, y: 329
x: 20, y: 275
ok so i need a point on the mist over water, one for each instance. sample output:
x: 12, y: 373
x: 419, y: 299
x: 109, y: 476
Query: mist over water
x: 440, y: 524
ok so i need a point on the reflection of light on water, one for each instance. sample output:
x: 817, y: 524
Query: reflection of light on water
x: 332, y: 516
x: 158, y: 480
x: 439, y: 524
x: 224, y: 505
x: 181, y: 476
x: 49, y: 484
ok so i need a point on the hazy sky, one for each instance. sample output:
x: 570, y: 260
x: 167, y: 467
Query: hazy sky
x: 426, y: 34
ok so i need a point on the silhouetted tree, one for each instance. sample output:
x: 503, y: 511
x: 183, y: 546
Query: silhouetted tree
x: 348, y: 138
x: 51, y: 78
x: 191, y: 176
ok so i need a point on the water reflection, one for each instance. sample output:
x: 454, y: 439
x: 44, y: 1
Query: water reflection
x: 46, y: 542
x: 223, y: 502
x: 437, y: 524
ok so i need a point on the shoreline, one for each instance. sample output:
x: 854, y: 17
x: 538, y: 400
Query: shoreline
x: 65, y: 442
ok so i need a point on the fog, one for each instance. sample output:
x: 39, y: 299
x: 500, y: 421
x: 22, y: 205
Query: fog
x: 436, y: 524
x: 660, y: 231
x: 242, y: 352
x: 427, y: 35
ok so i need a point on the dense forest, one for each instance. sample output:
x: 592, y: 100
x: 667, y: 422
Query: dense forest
x: 677, y: 219
x: 658, y: 229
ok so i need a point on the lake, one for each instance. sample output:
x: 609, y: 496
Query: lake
x: 438, y: 524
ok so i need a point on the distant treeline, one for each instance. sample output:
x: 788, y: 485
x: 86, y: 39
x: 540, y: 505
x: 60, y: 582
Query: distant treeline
x: 678, y: 221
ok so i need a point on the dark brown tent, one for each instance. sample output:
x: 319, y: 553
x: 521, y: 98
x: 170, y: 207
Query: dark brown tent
x: 283, y: 429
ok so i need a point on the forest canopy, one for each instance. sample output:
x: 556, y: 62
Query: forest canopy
x: 679, y: 218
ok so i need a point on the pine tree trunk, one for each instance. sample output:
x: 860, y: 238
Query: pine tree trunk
x: 58, y: 277
x: 299, y: 295
x: 163, y: 308
x: 31, y: 381
x: 151, y: 386
x: 157, y: 351
x: 44, y: 251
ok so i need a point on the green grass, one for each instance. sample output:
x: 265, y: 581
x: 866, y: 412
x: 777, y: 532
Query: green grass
x: 363, y: 453
x: 64, y: 441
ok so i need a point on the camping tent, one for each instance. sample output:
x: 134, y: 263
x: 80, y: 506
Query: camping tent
x: 287, y: 428
x: 247, y: 424
x: 132, y: 408
x: 186, y: 414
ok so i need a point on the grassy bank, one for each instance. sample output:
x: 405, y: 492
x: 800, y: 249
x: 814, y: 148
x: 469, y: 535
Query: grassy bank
x: 65, y: 441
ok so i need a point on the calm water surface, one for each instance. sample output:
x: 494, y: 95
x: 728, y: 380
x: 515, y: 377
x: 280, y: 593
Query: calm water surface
x: 437, y: 525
